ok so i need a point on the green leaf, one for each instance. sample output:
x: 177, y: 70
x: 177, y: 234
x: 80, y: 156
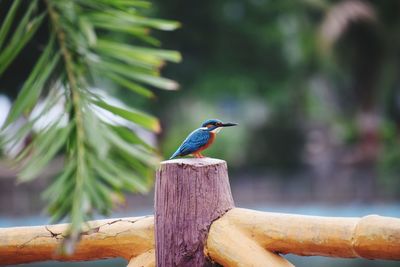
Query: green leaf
x: 122, y: 4
x: 130, y: 136
x: 94, y: 137
x: 126, y: 71
x: 133, y: 182
x: 88, y: 31
x: 26, y: 129
x: 61, y: 207
x: 151, y: 56
x: 21, y: 134
x: 40, y: 143
x: 155, y: 81
x: 126, y: 68
x: 134, y: 30
x: 121, y: 17
x: 139, y: 167
x: 139, y: 32
x: 139, y: 117
x: 54, y: 140
x: 59, y: 182
x: 165, y: 25
x: 99, y: 195
x: 127, y: 177
x: 5, y: 27
x: 20, y: 38
x: 108, y: 176
x: 136, y: 151
x: 33, y: 86
x: 125, y: 83
x: 128, y: 3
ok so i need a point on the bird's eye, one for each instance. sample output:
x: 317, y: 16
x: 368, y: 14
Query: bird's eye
x: 219, y: 124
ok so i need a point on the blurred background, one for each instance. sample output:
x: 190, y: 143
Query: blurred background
x: 314, y: 87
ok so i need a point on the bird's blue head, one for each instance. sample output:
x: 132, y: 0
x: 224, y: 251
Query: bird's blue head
x: 214, y: 125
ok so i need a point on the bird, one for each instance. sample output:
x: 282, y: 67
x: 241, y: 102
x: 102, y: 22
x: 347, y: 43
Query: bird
x: 201, y: 138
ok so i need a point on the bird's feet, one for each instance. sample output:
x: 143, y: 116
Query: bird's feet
x: 198, y: 155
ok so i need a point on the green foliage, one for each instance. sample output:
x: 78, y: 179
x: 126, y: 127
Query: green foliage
x: 101, y: 157
x: 239, y: 56
x: 27, y: 27
x: 277, y: 53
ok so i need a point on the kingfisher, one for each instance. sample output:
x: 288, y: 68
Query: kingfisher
x: 200, y: 138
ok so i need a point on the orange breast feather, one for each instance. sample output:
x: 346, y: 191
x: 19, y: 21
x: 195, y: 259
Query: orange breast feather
x: 210, y: 141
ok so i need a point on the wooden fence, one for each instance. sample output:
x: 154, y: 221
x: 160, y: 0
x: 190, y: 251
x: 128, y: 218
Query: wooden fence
x: 196, y: 224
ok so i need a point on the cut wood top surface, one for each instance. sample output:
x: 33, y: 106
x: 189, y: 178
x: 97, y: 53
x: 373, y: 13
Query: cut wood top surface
x: 197, y: 162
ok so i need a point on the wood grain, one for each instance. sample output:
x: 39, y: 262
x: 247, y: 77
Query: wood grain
x: 112, y: 238
x: 190, y: 195
x: 241, y: 237
x: 370, y: 237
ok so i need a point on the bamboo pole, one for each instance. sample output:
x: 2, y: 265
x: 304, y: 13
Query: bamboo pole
x: 229, y: 242
x: 112, y: 238
x: 229, y: 246
x: 370, y: 237
x: 146, y: 259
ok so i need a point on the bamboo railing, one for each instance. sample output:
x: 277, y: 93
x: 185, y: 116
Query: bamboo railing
x: 197, y: 223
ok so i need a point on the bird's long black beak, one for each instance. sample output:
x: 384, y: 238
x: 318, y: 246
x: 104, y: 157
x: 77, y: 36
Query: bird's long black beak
x: 229, y: 124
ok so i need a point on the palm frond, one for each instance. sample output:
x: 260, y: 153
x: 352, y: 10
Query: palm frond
x: 101, y: 158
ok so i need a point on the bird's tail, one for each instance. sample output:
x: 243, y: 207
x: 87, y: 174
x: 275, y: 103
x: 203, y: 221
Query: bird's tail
x: 175, y: 154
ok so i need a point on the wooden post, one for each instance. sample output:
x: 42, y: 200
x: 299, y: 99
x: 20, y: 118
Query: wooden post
x: 190, y: 194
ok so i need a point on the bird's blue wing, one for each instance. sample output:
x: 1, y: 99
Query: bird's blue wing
x: 192, y: 143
